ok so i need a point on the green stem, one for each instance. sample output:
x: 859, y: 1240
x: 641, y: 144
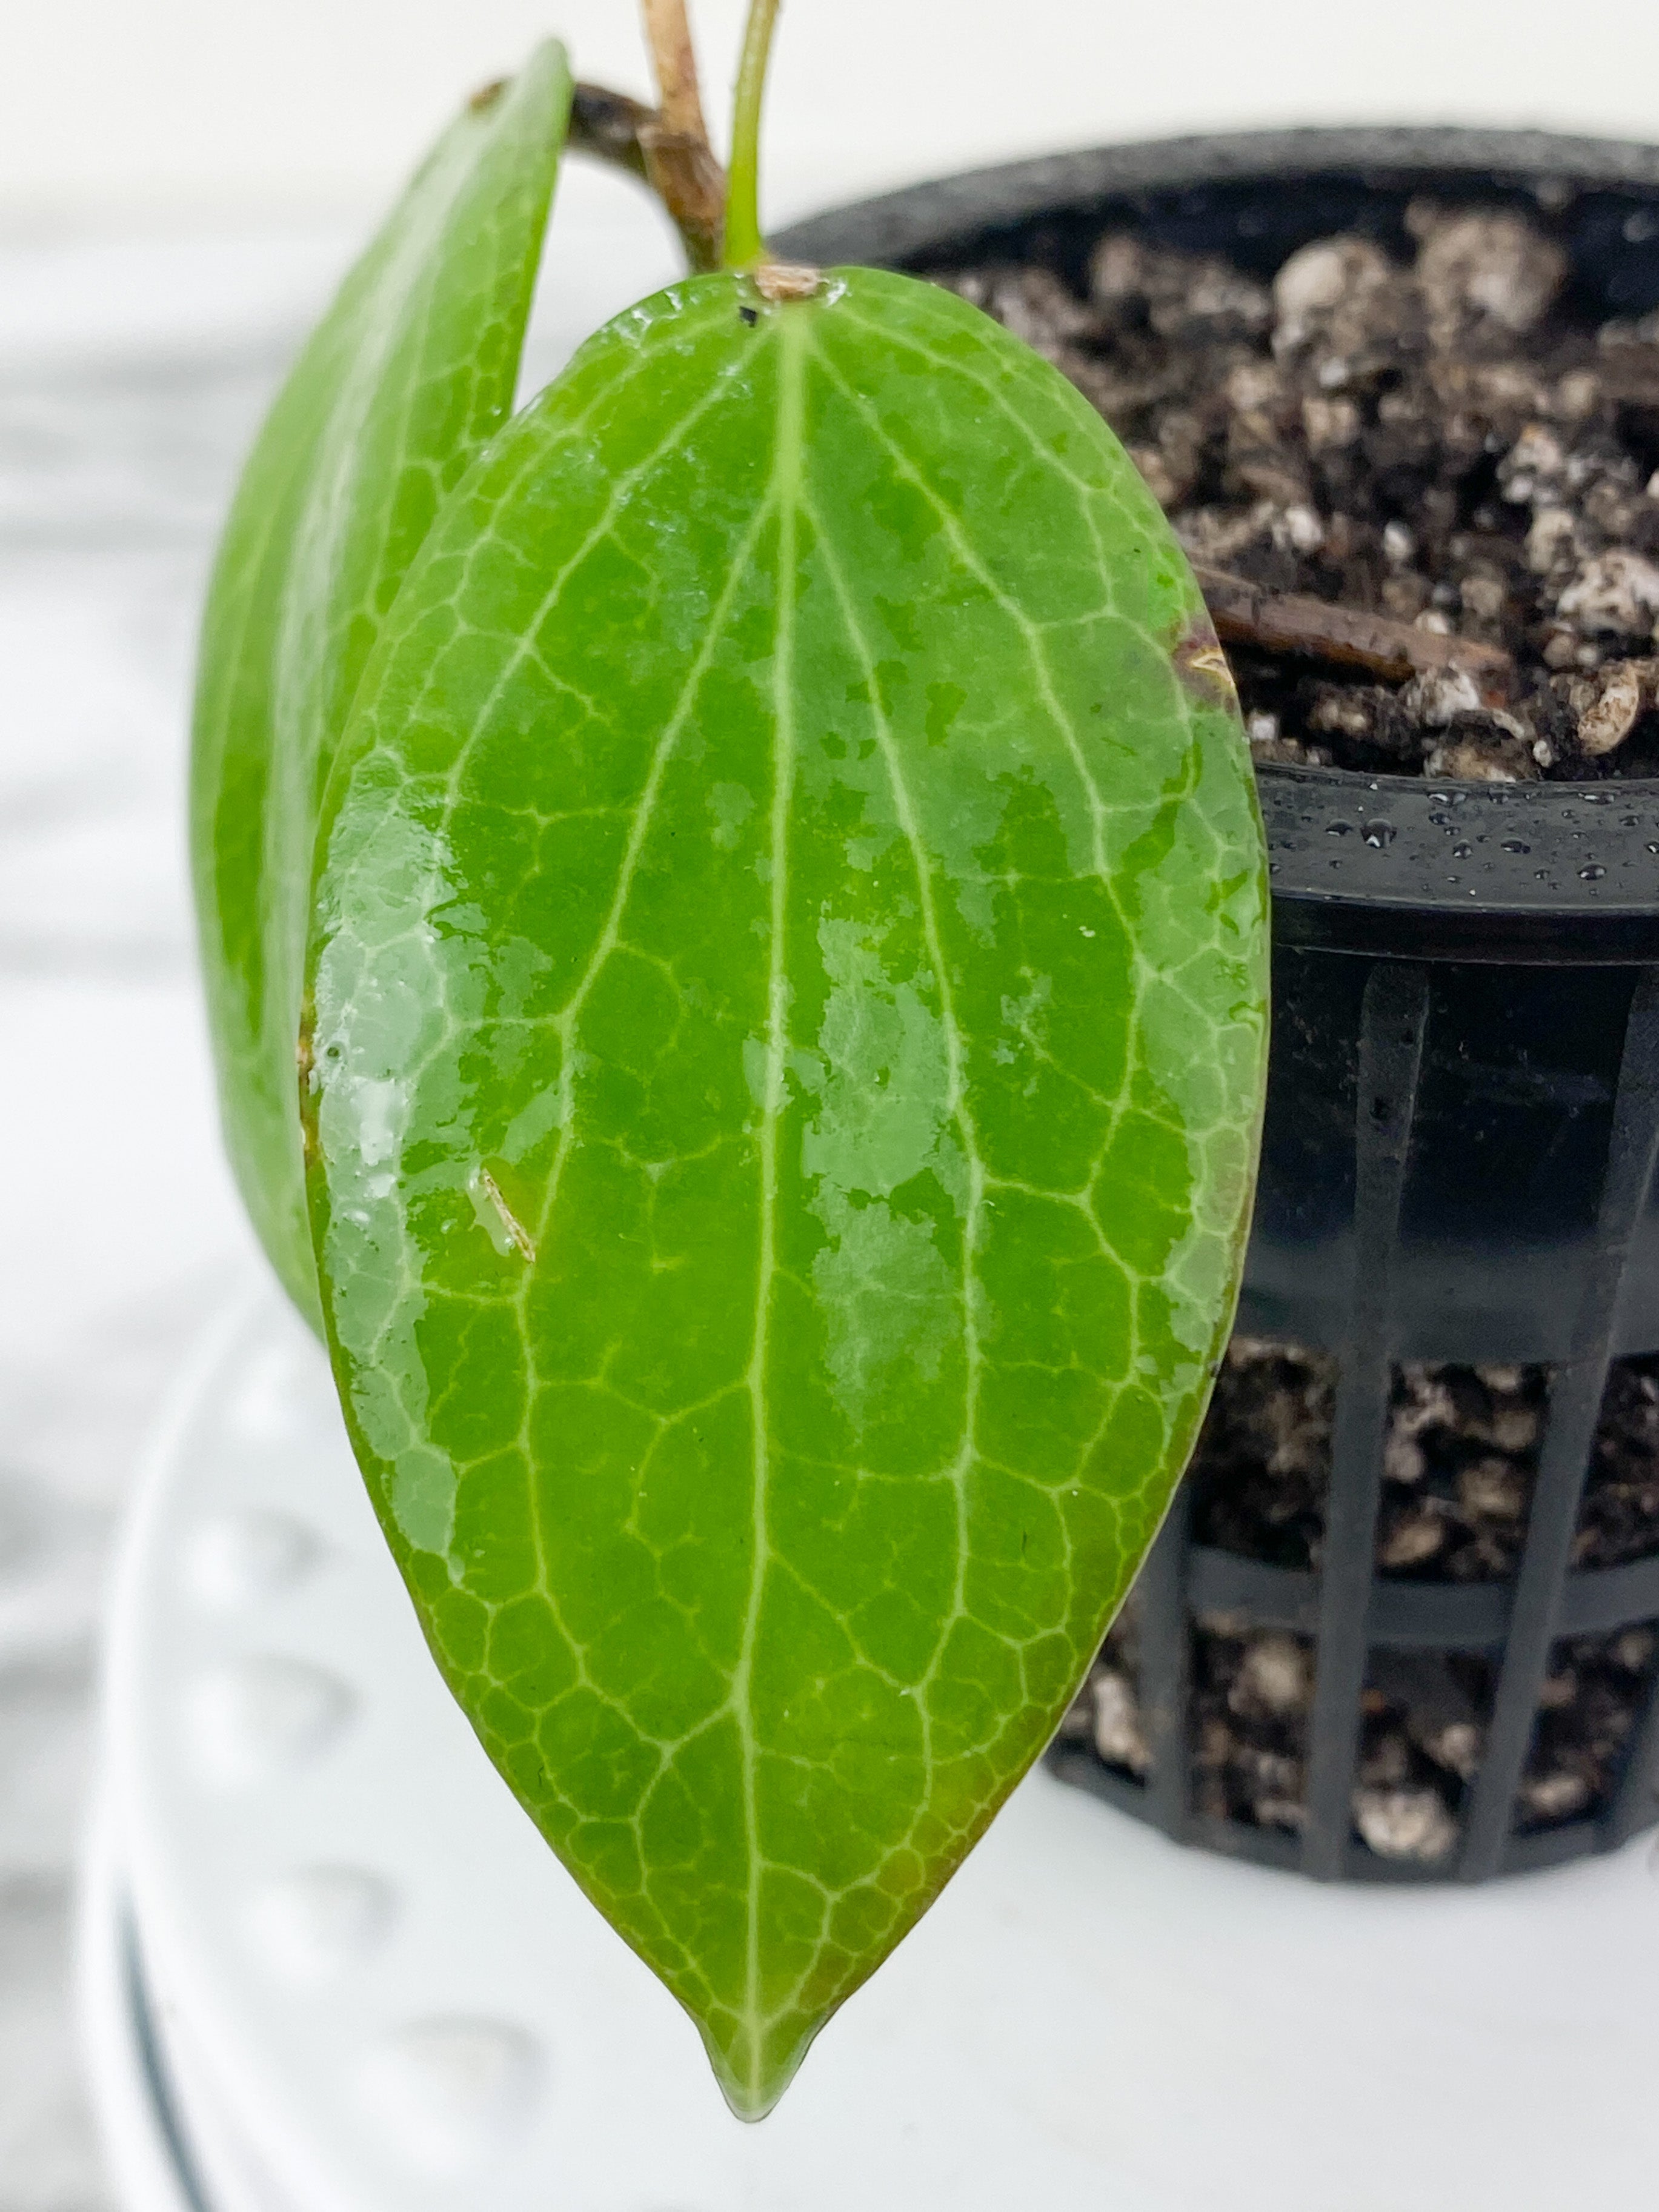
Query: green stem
x: 744, y: 245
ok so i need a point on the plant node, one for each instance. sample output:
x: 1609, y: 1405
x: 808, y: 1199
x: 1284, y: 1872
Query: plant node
x: 785, y: 280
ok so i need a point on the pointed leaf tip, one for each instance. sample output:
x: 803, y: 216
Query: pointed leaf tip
x: 774, y: 844
x: 754, y: 2071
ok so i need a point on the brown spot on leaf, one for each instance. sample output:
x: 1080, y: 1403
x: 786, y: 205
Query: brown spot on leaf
x: 1201, y: 666
x: 487, y: 94
x: 305, y: 1065
x: 515, y: 1229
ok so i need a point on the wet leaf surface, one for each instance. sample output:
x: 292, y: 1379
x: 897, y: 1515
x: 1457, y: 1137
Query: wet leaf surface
x: 411, y: 372
x: 789, y: 975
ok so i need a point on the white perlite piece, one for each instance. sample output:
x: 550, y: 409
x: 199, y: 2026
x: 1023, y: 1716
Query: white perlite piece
x: 1536, y: 459
x: 1608, y: 702
x: 1498, y: 758
x: 1118, y: 1738
x: 1274, y: 1675
x: 1332, y: 274
x: 1414, y: 1537
x: 1617, y: 592
x: 1304, y: 529
x: 1493, y: 265
x: 1458, y: 1745
x: 1439, y: 696
x: 1550, y: 540
x: 1610, y: 720
x: 1404, y: 1824
x: 1555, y: 1796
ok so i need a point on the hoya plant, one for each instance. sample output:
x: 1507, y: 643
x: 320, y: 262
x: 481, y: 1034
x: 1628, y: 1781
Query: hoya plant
x: 733, y: 908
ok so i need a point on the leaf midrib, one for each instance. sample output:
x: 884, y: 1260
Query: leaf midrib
x: 789, y: 341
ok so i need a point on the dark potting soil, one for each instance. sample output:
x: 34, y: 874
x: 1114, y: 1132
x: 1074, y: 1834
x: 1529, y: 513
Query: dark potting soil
x: 1459, y: 1463
x: 1423, y: 1730
x: 1436, y: 440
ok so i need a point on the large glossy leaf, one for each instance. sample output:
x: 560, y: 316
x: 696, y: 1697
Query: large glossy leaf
x: 789, y: 991
x: 412, y: 369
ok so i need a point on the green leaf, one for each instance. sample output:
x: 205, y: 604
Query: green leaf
x: 789, y: 971
x: 411, y: 372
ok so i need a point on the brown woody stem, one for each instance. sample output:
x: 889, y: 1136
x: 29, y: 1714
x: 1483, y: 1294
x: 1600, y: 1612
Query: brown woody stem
x: 1274, y: 622
x: 606, y: 125
x: 674, y: 61
x: 679, y: 163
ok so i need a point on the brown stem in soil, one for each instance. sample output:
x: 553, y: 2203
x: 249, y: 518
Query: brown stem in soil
x: 609, y: 127
x: 1275, y: 621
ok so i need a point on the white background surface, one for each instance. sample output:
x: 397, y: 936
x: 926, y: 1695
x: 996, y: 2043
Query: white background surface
x: 251, y: 104
x: 180, y: 182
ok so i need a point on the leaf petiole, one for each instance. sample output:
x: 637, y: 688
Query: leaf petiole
x: 744, y: 245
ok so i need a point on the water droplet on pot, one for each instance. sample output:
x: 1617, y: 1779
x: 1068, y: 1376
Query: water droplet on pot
x: 1461, y: 852
x: 1379, y: 833
x: 1592, y: 873
x: 1338, y: 829
x: 1630, y: 822
x: 1513, y: 845
x: 1653, y: 845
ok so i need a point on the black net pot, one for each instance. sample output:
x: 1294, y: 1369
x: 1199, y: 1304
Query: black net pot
x: 1463, y: 1107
